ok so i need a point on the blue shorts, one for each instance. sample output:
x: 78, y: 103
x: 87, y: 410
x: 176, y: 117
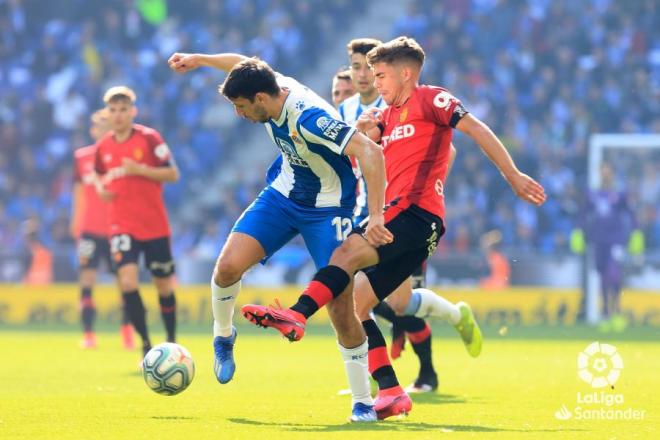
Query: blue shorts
x: 273, y: 220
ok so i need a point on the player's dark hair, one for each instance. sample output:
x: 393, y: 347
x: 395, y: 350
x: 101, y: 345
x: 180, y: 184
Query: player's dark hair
x: 362, y: 45
x: 344, y: 74
x: 248, y: 78
x: 401, y: 49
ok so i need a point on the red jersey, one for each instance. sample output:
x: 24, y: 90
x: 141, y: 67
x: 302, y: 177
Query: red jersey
x: 94, y: 215
x: 137, y: 208
x: 416, y: 138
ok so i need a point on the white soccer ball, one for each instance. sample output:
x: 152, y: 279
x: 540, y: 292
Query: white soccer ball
x: 168, y: 368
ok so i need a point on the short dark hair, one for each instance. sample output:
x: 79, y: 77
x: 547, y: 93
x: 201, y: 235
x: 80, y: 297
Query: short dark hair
x: 401, y: 49
x: 362, y: 45
x: 249, y: 77
x: 343, y: 73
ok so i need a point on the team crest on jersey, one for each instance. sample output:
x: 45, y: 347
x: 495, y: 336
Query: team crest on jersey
x: 290, y: 153
x: 294, y: 136
x: 138, y: 154
x: 404, y: 115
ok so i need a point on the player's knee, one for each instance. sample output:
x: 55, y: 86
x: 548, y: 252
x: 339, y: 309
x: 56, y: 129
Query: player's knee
x: 346, y: 259
x: 226, y: 272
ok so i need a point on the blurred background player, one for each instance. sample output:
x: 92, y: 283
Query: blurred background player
x: 609, y: 226
x: 311, y: 192
x: 342, y: 86
x: 133, y: 161
x: 90, y: 227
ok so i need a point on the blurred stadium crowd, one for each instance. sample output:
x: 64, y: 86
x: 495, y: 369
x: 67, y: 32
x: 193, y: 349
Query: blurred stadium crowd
x: 544, y: 74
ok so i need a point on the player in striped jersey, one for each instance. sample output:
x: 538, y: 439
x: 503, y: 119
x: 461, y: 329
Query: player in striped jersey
x: 310, y: 191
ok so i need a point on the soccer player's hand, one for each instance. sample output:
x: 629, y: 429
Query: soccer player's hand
x: 369, y: 119
x: 527, y: 188
x: 377, y: 234
x: 131, y: 167
x: 183, y: 62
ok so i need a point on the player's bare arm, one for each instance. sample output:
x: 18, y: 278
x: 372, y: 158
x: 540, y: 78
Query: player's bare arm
x: 523, y: 186
x: 76, y: 208
x: 372, y: 163
x: 185, y: 62
x: 452, y: 158
x: 159, y: 174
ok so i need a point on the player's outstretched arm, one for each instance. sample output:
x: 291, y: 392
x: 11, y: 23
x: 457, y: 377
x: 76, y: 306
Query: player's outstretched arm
x: 523, y: 186
x: 372, y: 163
x: 185, y: 62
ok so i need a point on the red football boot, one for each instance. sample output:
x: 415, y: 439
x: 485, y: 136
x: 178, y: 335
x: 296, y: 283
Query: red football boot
x: 392, y: 402
x: 288, y: 322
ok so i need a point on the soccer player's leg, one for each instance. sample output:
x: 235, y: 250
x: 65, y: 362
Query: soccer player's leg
x: 328, y: 283
x: 125, y: 253
x: 419, y: 334
x: 88, y: 260
x: 386, y: 312
x: 159, y: 260
x: 372, y: 287
x: 322, y: 236
x: 261, y: 230
x: 125, y: 328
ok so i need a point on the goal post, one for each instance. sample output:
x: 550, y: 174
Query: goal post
x: 599, y: 144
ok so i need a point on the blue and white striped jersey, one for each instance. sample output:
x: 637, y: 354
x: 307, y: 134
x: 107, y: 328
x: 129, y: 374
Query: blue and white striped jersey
x: 350, y: 110
x: 312, y: 169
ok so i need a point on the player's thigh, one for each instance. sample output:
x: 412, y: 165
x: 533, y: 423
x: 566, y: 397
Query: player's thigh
x: 387, y: 276
x: 324, y: 233
x: 89, y: 251
x: 354, y: 254
x: 267, y: 220
x: 240, y: 252
x: 400, y: 298
x: 125, y: 252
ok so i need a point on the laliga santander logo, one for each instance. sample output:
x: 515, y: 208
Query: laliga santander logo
x: 599, y: 365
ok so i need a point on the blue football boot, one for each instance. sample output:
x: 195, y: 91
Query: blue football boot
x: 224, y: 365
x: 363, y: 413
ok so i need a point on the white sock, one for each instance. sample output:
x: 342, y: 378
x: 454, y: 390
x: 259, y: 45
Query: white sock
x: 222, y: 302
x: 432, y: 304
x: 357, y: 371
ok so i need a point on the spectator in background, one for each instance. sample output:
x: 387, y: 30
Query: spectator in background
x: 38, y: 258
x: 498, y: 264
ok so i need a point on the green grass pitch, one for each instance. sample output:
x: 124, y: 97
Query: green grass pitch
x: 51, y: 389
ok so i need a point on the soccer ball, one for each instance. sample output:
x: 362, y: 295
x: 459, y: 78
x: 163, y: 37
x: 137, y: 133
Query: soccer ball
x: 168, y: 368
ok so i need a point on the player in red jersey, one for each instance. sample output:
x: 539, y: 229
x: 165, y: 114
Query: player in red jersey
x: 415, y: 131
x: 89, y: 225
x: 134, y: 161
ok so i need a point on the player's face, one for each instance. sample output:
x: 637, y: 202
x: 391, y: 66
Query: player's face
x: 341, y: 89
x: 252, y: 111
x: 121, y: 114
x: 361, y: 75
x: 99, y: 128
x: 389, y: 81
